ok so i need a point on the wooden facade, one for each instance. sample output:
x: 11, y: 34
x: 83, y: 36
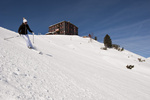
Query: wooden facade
x: 63, y: 28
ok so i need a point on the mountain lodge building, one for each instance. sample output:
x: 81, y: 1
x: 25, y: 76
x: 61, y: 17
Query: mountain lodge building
x: 63, y: 28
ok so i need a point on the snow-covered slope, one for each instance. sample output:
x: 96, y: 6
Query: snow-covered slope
x: 71, y: 68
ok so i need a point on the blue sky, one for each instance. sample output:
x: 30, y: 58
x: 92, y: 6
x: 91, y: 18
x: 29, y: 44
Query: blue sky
x: 126, y: 21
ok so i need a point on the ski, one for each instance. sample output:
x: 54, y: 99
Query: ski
x: 11, y: 37
x: 39, y: 52
x: 35, y: 50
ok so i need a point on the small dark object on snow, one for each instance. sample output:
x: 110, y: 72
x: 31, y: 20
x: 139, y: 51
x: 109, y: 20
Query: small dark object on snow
x: 130, y: 66
x: 140, y: 60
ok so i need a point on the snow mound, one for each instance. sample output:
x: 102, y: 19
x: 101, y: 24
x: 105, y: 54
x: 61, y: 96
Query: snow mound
x: 70, y: 68
x: 148, y: 59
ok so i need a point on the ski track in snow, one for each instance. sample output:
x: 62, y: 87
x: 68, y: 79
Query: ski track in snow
x: 70, y: 68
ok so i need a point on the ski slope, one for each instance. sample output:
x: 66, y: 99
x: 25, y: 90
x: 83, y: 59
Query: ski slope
x: 70, y: 68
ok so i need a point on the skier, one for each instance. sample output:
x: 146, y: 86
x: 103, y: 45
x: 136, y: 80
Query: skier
x: 90, y: 38
x: 23, y: 32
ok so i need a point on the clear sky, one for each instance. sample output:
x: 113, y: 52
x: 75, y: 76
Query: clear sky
x: 126, y: 21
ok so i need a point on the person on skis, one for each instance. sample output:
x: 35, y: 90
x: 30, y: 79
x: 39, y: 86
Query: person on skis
x: 23, y: 32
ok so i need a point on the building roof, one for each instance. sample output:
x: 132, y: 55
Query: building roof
x: 61, y: 22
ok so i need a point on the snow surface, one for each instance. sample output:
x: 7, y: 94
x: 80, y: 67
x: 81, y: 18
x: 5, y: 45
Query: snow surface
x: 70, y: 68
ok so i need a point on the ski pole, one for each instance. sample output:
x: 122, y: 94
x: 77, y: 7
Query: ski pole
x: 33, y: 38
x: 11, y: 37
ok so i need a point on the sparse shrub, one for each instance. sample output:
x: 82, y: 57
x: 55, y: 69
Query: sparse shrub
x: 140, y: 60
x: 122, y: 49
x: 104, y: 48
x: 95, y: 38
x: 130, y: 66
x: 117, y: 47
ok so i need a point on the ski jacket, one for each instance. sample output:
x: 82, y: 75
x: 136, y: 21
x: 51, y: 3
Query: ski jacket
x: 23, y: 29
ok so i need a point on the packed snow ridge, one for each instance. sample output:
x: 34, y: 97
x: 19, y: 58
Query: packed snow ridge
x: 69, y: 68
